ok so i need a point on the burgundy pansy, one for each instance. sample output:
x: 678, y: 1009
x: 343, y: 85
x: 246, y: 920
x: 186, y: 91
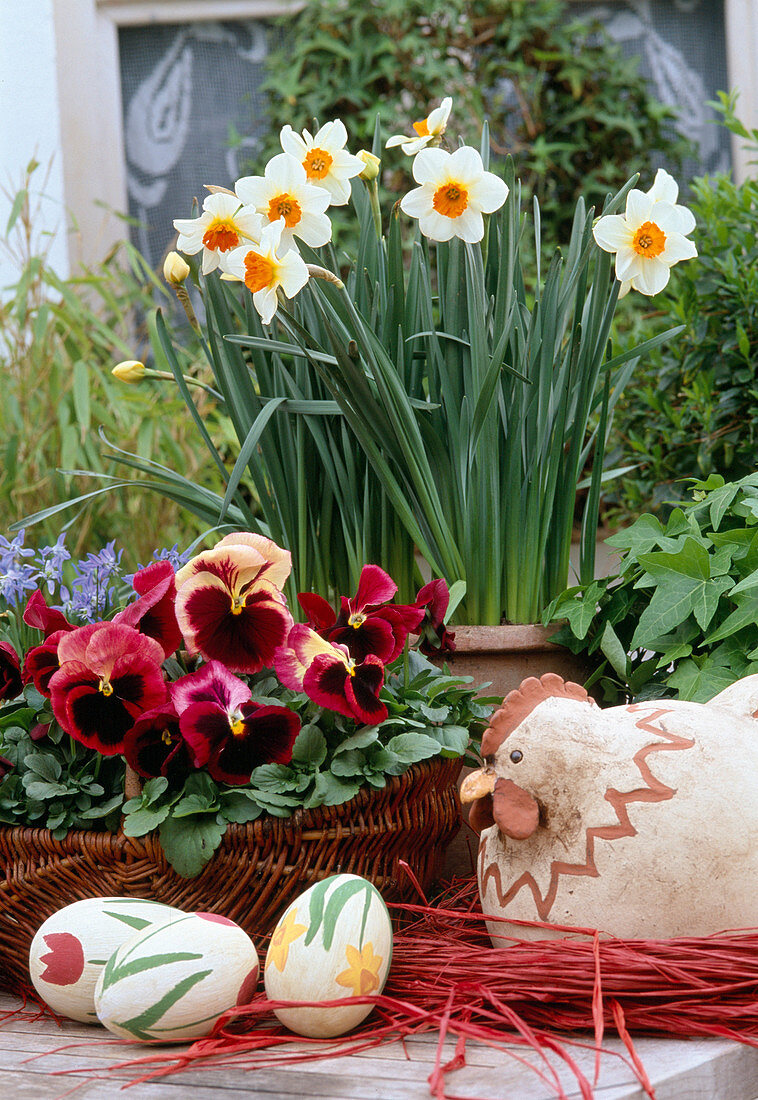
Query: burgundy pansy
x: 44, y: 618
x: 153, y: 613
x: 6, y: 766
x: 330, y: 676
x: 368, y: 623
x: 10, y: 672
x: 41, y: 662
x: 155, y: 745
x: 109, y: 675
x: 434, y: 597
x: 229, y: 602
x: 228, y: 733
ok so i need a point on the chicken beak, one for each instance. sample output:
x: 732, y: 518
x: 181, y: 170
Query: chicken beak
x: 477, y: 784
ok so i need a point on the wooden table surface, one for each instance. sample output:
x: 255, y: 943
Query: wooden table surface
x: 41, y: 1061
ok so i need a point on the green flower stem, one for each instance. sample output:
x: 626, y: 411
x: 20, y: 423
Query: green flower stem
x: 168, y: 376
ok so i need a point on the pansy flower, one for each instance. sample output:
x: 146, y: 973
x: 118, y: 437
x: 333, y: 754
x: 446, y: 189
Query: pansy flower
x: 326, y: 162
x: 230, y: 735
x: 109, y: 675
x: 10, y: 672
x: 229, y: 602
x: 153, y: 613
x: 283, y: 193
x: 6, y: 766
x: 223, y: 225
x: 155, y: 745
x: 265, y: 271
x: 429, y: 130
x: 47, y: 619
x: 367, y: 623
x: 649, y: 237
x: 455, y: 192
x: 434, y: 598
x: 329, y: 676
x: 41, y: 662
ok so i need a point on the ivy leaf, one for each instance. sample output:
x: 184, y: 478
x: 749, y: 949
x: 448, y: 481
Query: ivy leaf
x: 189, y: 842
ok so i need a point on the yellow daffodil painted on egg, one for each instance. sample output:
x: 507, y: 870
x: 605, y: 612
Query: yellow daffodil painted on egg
x: 649, y: 237
x: 284, y: 194
x: 264, y: 270
x: 325, y: 159
x: 362, y: 976
x: 429, y: 130
x: 285, y: 933
x: 224, y: 224
x: 455, y: 192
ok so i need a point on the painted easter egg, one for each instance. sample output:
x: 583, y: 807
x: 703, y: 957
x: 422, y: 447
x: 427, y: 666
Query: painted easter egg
x: 333, y: 942
x: 173, y: 982
x: 71, y: 948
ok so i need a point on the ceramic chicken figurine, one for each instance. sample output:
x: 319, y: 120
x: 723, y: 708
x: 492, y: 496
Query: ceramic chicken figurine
x: 639, y: 820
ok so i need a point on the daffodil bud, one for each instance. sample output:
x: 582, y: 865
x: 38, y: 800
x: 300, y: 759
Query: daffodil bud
x: 131, y: 370
x: 371, y: 170
x: 175, y: 269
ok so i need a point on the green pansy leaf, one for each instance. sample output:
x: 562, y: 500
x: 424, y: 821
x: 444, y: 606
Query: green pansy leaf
x: 309, y: 747
x: 189, y: 842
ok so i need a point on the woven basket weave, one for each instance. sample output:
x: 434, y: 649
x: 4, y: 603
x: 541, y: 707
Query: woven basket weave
x: 257, y: 870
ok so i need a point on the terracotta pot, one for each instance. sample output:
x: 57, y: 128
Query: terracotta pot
x: 504, y: 656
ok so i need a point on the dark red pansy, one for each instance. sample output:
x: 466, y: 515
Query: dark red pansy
x: 64, y: 962
x: 434, y: 598
x: 11, y: 683
x: 321, y: 615
x: 6, y: 766
x: 228, y: 733
x: 330, y: 676
x: 153, y: 613
x: 42, y: 661
x: 228, y: 605
x: 44, y: 618
x: 154, y: 745
x: 109, y: 675
x: 367, y: 623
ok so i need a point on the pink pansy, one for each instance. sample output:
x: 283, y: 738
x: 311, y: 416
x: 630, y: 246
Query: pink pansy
x: 42, y: 661
x: 328, y: 674
x: 153, y: 613
x: 368, y: 623
x: 434, y: 597
x: 44, y: 618
x: 109, y: 675
x: 229, y: 604
x: 227, y: 732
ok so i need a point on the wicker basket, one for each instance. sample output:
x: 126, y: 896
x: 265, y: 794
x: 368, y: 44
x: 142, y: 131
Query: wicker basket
x: 258, y: 869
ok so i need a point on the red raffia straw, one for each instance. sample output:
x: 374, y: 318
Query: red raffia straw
x: 447, y: 977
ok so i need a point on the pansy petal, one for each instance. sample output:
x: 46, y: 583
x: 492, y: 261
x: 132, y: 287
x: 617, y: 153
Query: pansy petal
x: 320, y: 613
x: 324, y: 682
x: 277, y: 561
x: 362, y: 692
x: 266, y: 736
x: 374, y: 587
x: 205, y: 727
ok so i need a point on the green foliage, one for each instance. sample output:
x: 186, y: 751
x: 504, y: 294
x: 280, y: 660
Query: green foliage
x: 59, y: 339
x: 559, y: 96
x: 680, y: 618
x: 694, y: 410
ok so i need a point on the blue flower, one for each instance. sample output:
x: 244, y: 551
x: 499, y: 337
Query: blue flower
x: 51, y: 559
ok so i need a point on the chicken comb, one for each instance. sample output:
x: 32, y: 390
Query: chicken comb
x: 522, y: 700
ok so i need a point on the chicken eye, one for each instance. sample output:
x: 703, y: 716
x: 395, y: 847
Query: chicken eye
x: 517, y: 756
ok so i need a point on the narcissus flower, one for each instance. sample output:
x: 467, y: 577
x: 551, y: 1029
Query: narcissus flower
x: 264, y: 271
x: 109, y: 675
x: 175, y: 269
x: 429, y: 130
x: 362, y: 975
x: 371, y: 165
x: 649, y: 237
x: 153, y: 613
x: 223, y: 225
x: 367, y: 623
x: 326, y: 162
x: 455, y: 191
x: 229, y: 602
x: 130, y: 371
x: 228, y: 733
x: 329, y: 676
x: 283, y: 192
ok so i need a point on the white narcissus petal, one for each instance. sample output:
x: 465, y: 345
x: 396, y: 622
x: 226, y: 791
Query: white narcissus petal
x: 612, y: 232
x: 292, y: 143
x: 293, y: 274
x: 664, y: 187
x: 638, y: 207
x: 285, y: 172
x: 672, y: 219
x: 436, y: 226
x: 469, y: 226
x: 314, y: 229
x: 253, y: 190
x: 265, y: 302
x: 626, y: 286
x: 410, y: 148
x: 417, y: 201
x: 465, y: 164
x: 677, y: 248
x: 437, y: 119
x: 396, y: 139
x: 628, y: 264
x: 222, y: 205
x: 653, y: 277
x: 339, y: 190
x: 429, y: 166
x: 488, y: 193
x: 210, y: 261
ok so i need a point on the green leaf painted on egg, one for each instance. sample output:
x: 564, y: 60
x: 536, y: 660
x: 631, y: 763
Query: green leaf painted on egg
x: 137, y: 1025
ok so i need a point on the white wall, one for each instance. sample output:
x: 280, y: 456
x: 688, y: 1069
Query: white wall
x: 30, y: 121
